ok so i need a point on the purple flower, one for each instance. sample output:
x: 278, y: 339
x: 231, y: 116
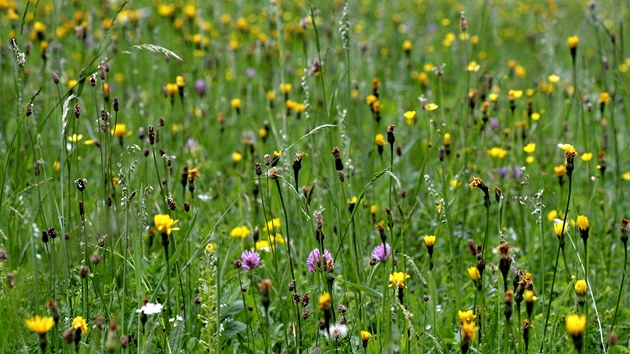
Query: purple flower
x: 200, y: 86
x: 381, y: 252
x: 313, y: 262
x: 250, y: 259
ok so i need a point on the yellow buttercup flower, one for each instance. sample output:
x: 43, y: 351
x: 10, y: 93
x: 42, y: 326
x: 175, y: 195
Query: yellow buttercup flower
x: 164, y: 223
x: 529, y: 148
x: 429, y: 240
x: 236, y: 103
x: 587, y: 156
x: 431, y: 107
x: 560, y: 170
x: 40, y: 325
x: 237, y: 157
x: 398, y: 279
x: 410, y: 114
x: 240, y: 231
x: 553, y: 78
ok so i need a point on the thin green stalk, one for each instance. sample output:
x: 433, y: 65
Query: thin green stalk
x: 555, y: 269
x: 623, y: 278
x: 288, y: 242
x: 454, y: 274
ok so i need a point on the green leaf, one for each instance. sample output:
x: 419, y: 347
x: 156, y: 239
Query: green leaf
x: 365, y: 289
x: 231, y: 329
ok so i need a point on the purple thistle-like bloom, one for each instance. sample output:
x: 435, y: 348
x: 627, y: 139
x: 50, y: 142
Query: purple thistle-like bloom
x: 381, y: 252
x: 250, y: 259
x: 313, y: 262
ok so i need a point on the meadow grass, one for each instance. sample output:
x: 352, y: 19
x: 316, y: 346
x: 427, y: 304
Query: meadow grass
x: 296, y: 176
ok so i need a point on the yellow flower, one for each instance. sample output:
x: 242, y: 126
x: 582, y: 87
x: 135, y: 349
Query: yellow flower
x: 40, y: 325
x: 535, y: 116
x: 552, y: 215
x: 373, y: 208
x: 79, y: 323
x: 379, y: 140
x: 626, y: 176
x: 559, y: 229
x: 324, y: 302
x: 447, y: 139
x: 497, y: 152
x: 236, y: 103
x: 75, y: 138
x: 473, y: 66
x: 271, y: 95
x: 410, y: 114
x: 237, y: 157
x: 211, y: 246
x: 514, y: 94
x: 429, y: 240
x: 407, y: 45
x: 285, y: 89
x: 431, y: 107
x: 240, y: 231
x: 262, y: 245
x: 193, y: 173
x: 273, y: 224
x: 468, y: 332
x: 398, y: 279
x: 560, y: 170
x: 576, y: 325
x: 466, y: 316
x: 474, y: 274
x: 587, y: 156
x: 370, y: 99
x: 553, y: 78
x: 529, y: 148
x: 529, y: 296
x: 604, y: 98
x: 365, y: 336
x: 493, y: 97
x: 573, y: 42
x: 56, y: 166
x: 119, y: 130
x: 582, y: 222
x: 529, y: 159
x: 164, y: 223
x: 580, y: 287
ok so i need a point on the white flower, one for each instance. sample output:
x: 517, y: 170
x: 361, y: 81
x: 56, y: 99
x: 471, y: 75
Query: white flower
x: 150, y: 309
x: 338, y: 331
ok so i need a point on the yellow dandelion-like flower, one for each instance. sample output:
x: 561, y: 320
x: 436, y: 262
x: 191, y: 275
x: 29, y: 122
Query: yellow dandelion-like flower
x: 573, y: 42
x: 237, y: 157
x: 379, y: 140
x: 466, y: 316
x: 324, y: 302
x: 40, y: 325
x: 164, y: 223
x: 397, y: 279
x: 79, y: 323
x: 576, y: 325
x: 429, y: 240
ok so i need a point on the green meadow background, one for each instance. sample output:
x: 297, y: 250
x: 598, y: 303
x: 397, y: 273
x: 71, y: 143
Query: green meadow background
x: 114, y: 112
